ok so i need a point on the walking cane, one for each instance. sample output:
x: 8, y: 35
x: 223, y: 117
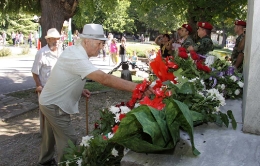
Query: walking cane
x: 86, y: 115
x: 41, y: 117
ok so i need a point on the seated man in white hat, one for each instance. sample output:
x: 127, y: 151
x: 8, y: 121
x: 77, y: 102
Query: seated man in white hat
x: 62, y: 92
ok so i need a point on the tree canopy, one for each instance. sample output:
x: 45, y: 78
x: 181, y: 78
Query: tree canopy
x: 126, y: 15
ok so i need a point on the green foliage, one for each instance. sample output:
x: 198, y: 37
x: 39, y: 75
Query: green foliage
x: 95, y: 86
x: 97, y: 153
x: 18, y: 23
x: 111, y: 14
x: 5, y: 52
x: 105, y: 122
x: 142, y: 50
x: 15, y: 6
x: 154, y: 130
x: 25, y: 50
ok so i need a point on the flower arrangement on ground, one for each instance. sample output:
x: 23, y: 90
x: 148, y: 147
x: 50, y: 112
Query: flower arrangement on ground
x: 187, y: 92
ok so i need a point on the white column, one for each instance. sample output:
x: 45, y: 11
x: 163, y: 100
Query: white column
x: 251, y: 97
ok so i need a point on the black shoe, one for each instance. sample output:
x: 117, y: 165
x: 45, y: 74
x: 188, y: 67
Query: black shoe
x: 52, y: 162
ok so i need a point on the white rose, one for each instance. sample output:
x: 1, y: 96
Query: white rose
x: 85, y: 140
x: 202, y: 82
x: 223, y: 86
x: 234, y: 78
x: 117, y: 118
x: 237, y: 92
x: 124, y: 109
x: 217, y: 109
x: 110, y: 135
x: 137, y: 105
x: 114, y: 152
x: 240, y: 84
x: 114, y: 109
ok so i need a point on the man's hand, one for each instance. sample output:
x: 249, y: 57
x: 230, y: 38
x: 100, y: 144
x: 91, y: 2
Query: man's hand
x: 190, y: 48
x: 38, y: 89
x: 149, y: 91
x: 86, y: 93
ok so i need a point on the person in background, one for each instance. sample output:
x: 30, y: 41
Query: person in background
x: 30, y: 39
x: 13, y: 38
x: 134, y: 59
x: 75, y: 37
x: 122, y: 49
x: 126, y: 73
x: 165, y: 44
x: 36, y: 38
x: 4, y: 38
x: 21, y: 36
x: 205, y: 44
x: 45, y: 59
x: 60, y: 96
x: 187, y: 40
x: 17, y: 39
x: 177, y: 40
x: 237, y: 56
x: 152, y: 55
x: 113, y: 51
x: 142, y: 38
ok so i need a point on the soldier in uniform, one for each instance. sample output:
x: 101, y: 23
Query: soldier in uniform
x: 237, y: 56
x: 185, y: 31
x: 205, y: 44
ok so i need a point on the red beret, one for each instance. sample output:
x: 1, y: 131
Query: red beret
x: 205, y: 25
x: 240, y: 22
x: 188, y: 27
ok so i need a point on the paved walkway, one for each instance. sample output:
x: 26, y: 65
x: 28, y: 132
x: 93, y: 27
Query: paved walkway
x: 11, y: 106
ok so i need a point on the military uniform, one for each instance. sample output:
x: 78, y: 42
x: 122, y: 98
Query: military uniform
x: 187, y: 42
x: 239, y: 46
x: 204, y: 45
x: 236, y: 51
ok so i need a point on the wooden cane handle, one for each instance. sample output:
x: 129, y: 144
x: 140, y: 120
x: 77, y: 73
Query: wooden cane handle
x: 86, y: 115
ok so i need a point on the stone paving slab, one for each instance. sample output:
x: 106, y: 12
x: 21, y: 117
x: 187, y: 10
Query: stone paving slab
x: 219, y: 146
x: 11, y: 107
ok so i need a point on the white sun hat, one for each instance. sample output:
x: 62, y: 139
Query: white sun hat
x: 52, y: 33
x: 93, y: 31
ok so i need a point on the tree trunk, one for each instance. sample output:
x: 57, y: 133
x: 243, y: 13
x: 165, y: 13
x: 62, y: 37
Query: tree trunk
x: 54, y: 13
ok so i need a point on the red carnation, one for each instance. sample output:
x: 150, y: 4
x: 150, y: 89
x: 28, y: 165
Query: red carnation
x: 206, y: 69
x: 121, y: 116
x: 96, y: 125
x: 194, y: 55
x: 104, y: 137
x: 114, y: 129
x: 182, y: 53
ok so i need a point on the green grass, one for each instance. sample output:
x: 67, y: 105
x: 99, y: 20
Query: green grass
x: 141, y: 49
x: 22, y: 94
x: 134, y: 78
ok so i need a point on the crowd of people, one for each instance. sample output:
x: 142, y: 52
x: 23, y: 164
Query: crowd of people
x: 204, y: 45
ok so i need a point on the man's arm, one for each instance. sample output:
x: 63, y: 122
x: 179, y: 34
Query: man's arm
x: 157, y: 41
x: 239, y: 60
x: 112, y: 81
x: 37, y: 82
